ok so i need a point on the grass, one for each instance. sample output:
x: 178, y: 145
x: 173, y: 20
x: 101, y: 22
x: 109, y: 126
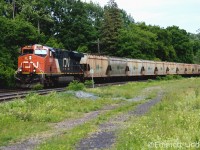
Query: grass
x: 129, y: 90
x: 13, y: 129
x: 174, y: 123
x: 32, y: 115
x: 22, y: 118
x: 70, y: 138
x: 173, y: 119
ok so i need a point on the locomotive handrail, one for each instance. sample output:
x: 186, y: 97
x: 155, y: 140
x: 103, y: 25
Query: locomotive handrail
x: 40, y: 70
x: 16, y: 73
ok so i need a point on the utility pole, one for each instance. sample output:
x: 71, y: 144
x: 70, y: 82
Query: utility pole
x: 13, y: 9
x: 98, y: 44
x: 38, y: 22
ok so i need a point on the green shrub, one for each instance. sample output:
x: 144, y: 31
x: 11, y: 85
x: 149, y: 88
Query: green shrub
x: 150, y: 80
x: 6, y: 76
x: 38, y: 86
x: 88, y: 83
x: 178, y: 77
x: 159, y: 78
x: 169, y: 77
x: 75, y: 86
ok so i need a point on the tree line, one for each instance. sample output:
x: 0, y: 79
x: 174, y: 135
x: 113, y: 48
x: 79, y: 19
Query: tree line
x: 87, y: 27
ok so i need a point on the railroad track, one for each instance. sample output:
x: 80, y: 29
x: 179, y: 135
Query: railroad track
x: 10, y: 90
x: 108, y: 84
x: 9, y: 95
x: 22, y: 94
x: 116, y: 83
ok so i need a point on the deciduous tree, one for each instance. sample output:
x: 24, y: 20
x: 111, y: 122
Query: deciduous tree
x: 111, y: 25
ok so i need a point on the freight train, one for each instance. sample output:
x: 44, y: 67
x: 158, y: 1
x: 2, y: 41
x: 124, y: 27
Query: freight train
x: 50, y: 66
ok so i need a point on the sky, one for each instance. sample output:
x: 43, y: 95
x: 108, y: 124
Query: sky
x: 164, y: 13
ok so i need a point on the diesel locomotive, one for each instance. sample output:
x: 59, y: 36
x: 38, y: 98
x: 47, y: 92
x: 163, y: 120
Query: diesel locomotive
x: 50, y: 66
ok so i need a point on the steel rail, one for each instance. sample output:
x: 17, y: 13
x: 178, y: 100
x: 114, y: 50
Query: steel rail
x: 22, y: 94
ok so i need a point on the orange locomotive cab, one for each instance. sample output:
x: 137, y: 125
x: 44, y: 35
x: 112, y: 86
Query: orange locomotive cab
x: 31, y: 65
x: 32, y: 59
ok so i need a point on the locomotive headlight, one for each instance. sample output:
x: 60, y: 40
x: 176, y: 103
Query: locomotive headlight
x: 20, y: 70
x: 34, y: 70
x: 30, y: 57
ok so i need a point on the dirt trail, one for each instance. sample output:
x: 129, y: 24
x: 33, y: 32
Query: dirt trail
x: 106, y: 135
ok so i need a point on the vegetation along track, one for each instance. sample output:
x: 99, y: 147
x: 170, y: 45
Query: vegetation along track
x: 94, y: 124
x: 61, y: 128
x: 9, y: 95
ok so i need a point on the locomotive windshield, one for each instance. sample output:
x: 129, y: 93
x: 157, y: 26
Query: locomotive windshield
x: 27, y: 51
x: 41, y: 52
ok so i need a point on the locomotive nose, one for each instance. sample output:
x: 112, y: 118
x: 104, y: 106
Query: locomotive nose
x: 27, y: 65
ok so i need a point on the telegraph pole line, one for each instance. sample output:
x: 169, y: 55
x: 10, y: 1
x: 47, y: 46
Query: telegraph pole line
x: 98, y: 45
x: 13, y: 9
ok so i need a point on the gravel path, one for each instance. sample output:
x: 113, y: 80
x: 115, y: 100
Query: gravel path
x: 106, y: 135
x: 144, y: 108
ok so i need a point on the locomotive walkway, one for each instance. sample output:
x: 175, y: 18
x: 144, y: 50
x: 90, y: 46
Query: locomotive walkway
x: 104, y: 138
